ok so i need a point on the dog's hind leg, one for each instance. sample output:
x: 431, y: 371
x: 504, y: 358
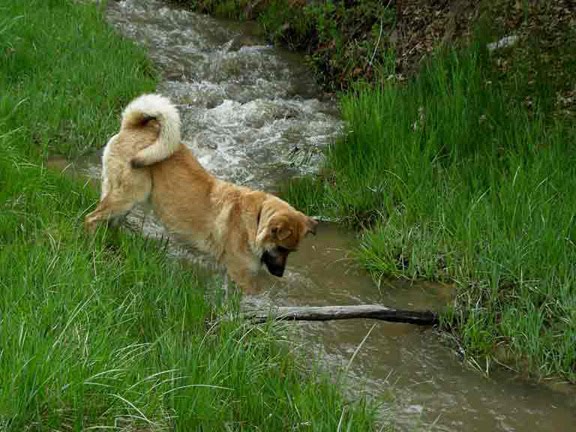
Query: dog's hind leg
x: 112, y: 208
x: 120, y: 194
x: 226, y: 287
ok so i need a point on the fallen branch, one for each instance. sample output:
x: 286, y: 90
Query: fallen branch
x: 327, y: 313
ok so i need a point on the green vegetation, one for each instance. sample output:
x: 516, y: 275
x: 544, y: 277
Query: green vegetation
x: 467, y: 173
x: 344, y: 40
x: 105, y: 331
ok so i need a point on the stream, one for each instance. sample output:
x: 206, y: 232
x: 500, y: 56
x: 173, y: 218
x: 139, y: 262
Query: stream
x: 253, y: 114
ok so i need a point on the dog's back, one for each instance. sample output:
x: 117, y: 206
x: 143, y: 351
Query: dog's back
x: 200, y: 208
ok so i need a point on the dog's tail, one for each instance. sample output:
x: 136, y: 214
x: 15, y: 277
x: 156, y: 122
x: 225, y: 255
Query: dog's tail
x: 153, y: 107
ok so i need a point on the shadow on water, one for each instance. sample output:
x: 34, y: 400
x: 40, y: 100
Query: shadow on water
x: 253, y: 115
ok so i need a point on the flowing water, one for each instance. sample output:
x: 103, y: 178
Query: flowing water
x: 253, y: 115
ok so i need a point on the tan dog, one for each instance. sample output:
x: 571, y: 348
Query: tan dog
x: 241, y: 228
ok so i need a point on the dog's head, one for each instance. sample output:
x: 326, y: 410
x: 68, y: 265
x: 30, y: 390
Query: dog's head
x: 281, y: 228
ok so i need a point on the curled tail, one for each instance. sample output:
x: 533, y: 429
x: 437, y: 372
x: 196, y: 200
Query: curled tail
x: 153, y: 107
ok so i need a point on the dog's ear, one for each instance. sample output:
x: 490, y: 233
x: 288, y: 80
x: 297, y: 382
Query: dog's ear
x: 310, y: 226
x: 271, y: 226
x: 280, y: 231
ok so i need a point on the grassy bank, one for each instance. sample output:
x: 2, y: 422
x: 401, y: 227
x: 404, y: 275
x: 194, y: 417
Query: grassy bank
x: 344, y: 40
x: 105, y: 331
x: 467, y: 173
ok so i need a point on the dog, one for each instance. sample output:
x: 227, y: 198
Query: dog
x: 241, y: 228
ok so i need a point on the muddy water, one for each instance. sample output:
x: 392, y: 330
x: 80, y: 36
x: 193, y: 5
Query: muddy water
x: 253, y: 115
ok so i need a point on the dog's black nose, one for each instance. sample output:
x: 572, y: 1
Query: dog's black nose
x: 276, y: 271
x: 275, y: 264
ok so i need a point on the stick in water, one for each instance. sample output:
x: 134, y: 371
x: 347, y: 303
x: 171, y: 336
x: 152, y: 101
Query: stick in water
x: 328, y: 313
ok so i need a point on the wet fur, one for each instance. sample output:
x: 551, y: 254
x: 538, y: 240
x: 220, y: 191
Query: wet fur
x: 241, y: 228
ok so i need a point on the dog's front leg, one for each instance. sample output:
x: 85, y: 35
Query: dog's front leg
x: 243, y: 275
x: 246, y: 280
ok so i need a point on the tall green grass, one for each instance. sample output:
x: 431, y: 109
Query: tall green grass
x: 455, y: 178
x: 65, y: 74
x: 104, y: 331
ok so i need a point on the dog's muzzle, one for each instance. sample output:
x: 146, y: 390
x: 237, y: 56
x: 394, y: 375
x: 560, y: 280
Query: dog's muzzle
x: 276, y: 264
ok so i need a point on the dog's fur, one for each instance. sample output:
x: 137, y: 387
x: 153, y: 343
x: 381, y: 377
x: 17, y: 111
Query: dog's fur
x: 241, y: 228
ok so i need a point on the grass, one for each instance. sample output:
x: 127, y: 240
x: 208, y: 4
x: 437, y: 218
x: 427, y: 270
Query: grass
x: 105, y: 331
x: 67, y: 81
x: 454, y: 176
